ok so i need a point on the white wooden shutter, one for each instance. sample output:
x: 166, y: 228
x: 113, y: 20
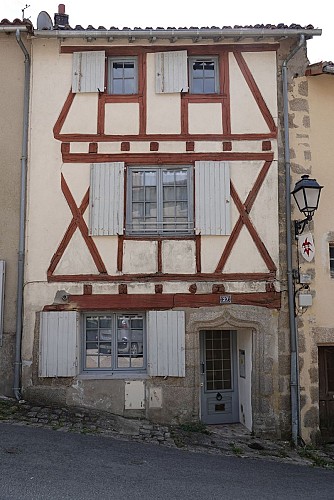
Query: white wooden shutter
x: 58, y: 344
x: 2, y: 296
x: 212, y: 198
x: 106, y: 199
x: 88, y: 71
x: 171, y: 72
x: 166, y: 343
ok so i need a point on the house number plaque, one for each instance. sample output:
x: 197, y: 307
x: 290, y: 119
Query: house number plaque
x: 225, y: 299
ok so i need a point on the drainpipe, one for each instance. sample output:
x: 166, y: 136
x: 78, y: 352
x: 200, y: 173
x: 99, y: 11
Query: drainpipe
x: 20, y: 263
x: 294, y: 375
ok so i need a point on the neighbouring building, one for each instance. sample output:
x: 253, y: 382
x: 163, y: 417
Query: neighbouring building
x: 12, y: 81
x: 155, y: 280
x: 312, y: 123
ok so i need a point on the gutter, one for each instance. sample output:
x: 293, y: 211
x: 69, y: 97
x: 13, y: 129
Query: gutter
x: 20, y: 263
x: 294, y: 374
x: 178, y: 33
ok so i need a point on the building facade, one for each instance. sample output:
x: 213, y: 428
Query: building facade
x: 154, y: 281
x: 311, y: 112
x: 12, y: 82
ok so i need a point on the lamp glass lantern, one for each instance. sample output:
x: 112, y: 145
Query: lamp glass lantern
x: 306, y: 194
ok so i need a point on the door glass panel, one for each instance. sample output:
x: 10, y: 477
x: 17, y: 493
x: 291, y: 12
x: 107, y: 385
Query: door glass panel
x: 218, y: 360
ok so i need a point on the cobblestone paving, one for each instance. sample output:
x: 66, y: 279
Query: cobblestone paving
x: 233, y: 439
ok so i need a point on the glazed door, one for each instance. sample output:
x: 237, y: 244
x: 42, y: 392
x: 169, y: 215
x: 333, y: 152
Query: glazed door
x: 219, y: 391
x: 326, y: 392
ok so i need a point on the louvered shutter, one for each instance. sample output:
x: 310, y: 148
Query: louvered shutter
x: 106, y: 200
x: 171, y: 72
x: 166, y: 343
x: 88, y: 71
x: 58, y: 344
x: 212, y: 198
x: 2, y: 296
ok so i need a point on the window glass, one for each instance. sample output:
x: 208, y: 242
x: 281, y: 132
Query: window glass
x: 114, y: 341
x: 160, y: 200
x: 122, y: 76
x: 203, y: 75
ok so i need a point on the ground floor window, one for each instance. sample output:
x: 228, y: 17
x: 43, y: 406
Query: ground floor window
x: 114, y: 341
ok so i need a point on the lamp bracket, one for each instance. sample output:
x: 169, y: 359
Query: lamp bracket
x: 300, y: 225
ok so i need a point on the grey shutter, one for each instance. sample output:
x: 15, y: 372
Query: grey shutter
x: 2, y: 296
x: 58, y: 344
x: 106, y: 200
x: 166, y: 343
x: 171, y: 72
x: 212, y: 198
x: 88, y: 71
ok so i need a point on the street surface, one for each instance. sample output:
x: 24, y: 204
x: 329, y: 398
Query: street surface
x: 37, y: 463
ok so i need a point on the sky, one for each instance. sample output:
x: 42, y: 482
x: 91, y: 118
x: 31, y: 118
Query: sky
x: 186, y: 14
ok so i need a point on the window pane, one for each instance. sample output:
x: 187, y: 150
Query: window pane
x: 129, y: 87
x: 209, y: 86
x: 105, y: 322
x: 181, y: 193
x: 150, y: 210
x: 118, y: 86
x: 169, y: 193
x: 117, y: 70
x: 181, y: 177
x: 138, y: 194
x: 129, y: 69
x: 197, y: 87
x: 151, y: 193
x: 92, y: 322
x: 209, y: 69
x: 181, y: 210
x: 138, y: 210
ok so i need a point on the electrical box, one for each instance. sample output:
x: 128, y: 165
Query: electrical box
x: 305, y: 299
x: 305, y: 279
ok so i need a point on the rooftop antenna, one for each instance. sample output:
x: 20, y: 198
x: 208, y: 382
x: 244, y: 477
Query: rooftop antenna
x: 24, y: 8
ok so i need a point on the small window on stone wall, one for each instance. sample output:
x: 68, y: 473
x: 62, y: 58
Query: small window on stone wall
x: 331, y: 259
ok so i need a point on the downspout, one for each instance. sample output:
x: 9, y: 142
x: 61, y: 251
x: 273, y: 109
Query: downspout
x: 20, y: 262
x: 294, y: 375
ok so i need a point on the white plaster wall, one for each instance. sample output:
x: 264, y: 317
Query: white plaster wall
x: 140, y: 257
x: 245, y: 113
x: 82, y: 115
x: 244, y: 342
x: 178, y: 257
x: 122, y: 118
x: 163, y: 110
x: 205, y: 118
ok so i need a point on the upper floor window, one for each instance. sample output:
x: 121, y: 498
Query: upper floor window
x: 122, y: 75
x: 160, y: 200
x: 331, y: 259
x: 203, y: 75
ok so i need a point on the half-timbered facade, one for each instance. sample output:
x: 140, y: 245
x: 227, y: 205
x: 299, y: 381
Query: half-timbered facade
x: 153, y: 277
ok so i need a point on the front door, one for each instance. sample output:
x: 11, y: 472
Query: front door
x: 326, y: 392
x: 219, y: 391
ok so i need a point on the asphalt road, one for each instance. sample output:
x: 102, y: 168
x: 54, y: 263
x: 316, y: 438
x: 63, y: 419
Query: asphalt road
x: 38, y: 463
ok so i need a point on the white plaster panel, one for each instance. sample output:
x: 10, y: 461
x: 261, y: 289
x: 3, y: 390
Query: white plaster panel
x: 263, y: 68
x: 163, y: 110
x: 141, y: 288
x: 176, y: 147
x: 244, y: 342
x: 178, y: 256
x: 249, y: 146
x: 109, y: 147
x: 139, y: 147
x: 243, y: 175
x: 105, y: 288
x: 76, y: 258
x: 245, y: 257
x: 82, y: 116
x: 76, y: 176
x: 205, y: 118
x: 79, y: 147
x: 208, y: 147
x: 140, y: 257
x: 107, y: 247
x: 212, y: 248
x: 176, y: 287
x: 122, y: 118
x: 246, y: 116
x: 264, y: 213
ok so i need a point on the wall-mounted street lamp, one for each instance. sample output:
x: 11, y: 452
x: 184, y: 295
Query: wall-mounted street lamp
x: 306, y: 194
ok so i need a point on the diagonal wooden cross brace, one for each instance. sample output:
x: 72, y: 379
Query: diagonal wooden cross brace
x: 244, y: 210
x: 76, y: 222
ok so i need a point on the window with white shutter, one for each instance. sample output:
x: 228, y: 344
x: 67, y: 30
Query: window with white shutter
x: 171, y: 72
x: 88, y: 71
x: 212, y: 198
x: 58, y: 344
x: 2, y: 296
x: 106, y: 199
x: 166, y: 343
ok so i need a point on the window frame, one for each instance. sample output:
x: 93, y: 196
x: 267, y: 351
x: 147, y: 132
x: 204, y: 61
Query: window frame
x: 331, y: 258
x: 159, y: 232
x: 191, y: 60
x: 110, y: 79
x: 114, y: 344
